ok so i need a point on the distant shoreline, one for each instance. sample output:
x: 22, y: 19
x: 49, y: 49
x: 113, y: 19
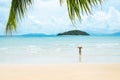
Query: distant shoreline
x: 54, y: 35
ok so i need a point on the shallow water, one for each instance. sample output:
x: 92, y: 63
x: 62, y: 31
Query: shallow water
x: 59, y: 50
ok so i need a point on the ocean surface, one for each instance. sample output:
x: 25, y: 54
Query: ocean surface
x: 59, y: 50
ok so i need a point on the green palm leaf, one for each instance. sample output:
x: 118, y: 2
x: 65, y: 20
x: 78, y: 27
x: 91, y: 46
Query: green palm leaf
x: 17, y: 11
x: 78, y: 7
x: 75, y: 8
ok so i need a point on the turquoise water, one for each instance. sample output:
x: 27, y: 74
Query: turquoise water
x: 59, y: 50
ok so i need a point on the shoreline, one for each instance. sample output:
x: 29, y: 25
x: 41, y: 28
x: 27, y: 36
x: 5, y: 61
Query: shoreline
x: 79, y: 71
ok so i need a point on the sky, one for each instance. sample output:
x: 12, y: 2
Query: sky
x: 47, y: 16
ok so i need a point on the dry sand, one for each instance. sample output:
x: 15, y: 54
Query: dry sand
x: 60, y: 72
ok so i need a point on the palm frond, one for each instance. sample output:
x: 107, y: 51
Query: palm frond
x: 17, y: 11
x: 61, y: 1
x: 78, y: 7
x: 75, y: 8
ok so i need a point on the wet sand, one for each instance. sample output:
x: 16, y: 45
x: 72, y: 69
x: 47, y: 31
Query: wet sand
x: 60, y: 72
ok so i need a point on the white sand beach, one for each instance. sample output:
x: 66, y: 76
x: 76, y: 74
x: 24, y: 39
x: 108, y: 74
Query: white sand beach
x: 60, y: 72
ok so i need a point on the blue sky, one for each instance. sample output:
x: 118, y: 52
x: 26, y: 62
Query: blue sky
x: 47, y: 16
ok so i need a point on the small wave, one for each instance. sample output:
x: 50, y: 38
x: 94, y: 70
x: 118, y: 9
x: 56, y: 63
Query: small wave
x: 32, y: 46
x: 107, y: 45
x: 3, y: 48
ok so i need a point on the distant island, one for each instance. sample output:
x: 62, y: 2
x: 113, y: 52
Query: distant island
x: 36, y: 35
x: 110, y: 34
x: 115, y: 34
x: 74, y: 32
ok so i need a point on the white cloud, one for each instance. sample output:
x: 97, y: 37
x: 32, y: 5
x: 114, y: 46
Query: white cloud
x: 102, y: 22
x: 47, y: 16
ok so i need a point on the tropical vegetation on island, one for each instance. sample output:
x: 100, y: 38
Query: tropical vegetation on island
x: 74, y: 32
x: 75, y: 8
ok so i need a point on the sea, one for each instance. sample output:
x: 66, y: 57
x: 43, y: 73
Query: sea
x: 59, y: 50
